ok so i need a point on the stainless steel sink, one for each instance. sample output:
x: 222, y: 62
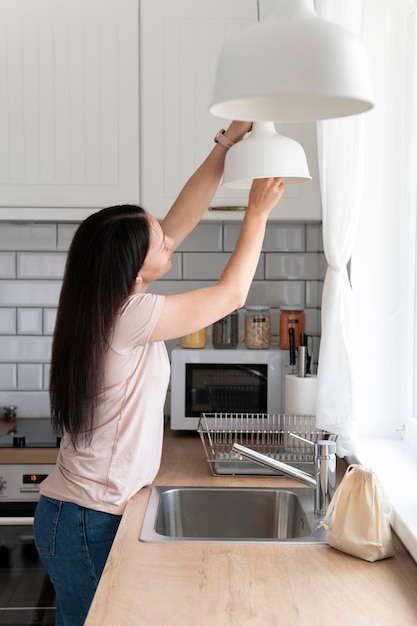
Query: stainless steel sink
x: 225, y: 514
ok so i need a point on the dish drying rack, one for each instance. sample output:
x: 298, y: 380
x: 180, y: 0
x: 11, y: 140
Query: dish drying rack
x: 266, y: 433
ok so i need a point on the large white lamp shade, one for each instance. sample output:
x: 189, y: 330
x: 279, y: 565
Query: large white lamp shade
x: 265, y: 154
x: 292, y: 67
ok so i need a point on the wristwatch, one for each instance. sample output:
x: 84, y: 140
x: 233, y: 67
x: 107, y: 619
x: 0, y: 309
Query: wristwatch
x: 223, y: 140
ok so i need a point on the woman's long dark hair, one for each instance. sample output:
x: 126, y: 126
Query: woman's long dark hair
x: 104, y: 258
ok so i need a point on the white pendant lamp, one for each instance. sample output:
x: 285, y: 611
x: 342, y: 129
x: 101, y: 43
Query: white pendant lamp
x: 292, y: 67
x: 264, y: 154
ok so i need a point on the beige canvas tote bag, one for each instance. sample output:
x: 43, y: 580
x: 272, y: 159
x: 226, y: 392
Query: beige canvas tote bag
x: 358, y: 519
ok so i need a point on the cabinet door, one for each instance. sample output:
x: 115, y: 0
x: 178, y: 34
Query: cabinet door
x: 69, y: 99
x: 180, y: 41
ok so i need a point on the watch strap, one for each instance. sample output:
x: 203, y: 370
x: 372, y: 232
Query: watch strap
x: 223, y: 140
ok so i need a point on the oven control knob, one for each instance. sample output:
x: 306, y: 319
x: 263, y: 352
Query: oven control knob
x: 2, y: 484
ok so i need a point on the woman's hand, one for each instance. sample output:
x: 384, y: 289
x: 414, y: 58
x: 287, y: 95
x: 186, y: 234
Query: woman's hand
x: 264, y: 194
x: 237, y: 130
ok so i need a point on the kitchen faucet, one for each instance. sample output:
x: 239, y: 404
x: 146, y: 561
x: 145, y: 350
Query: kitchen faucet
x: 324, y: 478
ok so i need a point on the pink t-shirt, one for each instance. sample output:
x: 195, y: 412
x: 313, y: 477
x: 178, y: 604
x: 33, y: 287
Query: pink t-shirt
x: 125, y: 452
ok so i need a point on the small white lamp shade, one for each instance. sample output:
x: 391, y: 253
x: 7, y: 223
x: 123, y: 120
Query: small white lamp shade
x: 264, y: 154
x: 292, y: 67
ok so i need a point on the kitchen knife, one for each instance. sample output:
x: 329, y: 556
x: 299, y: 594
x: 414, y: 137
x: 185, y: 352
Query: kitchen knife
x: 304, y: 342
x: 292, y: 345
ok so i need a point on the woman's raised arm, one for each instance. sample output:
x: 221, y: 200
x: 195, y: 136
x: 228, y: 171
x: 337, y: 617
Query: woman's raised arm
x: 197, y: 193
x: 188, y: 312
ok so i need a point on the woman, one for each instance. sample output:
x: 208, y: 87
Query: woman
x: 110, y: 369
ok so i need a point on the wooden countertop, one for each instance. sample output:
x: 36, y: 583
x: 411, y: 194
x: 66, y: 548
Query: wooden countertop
x: 170, y: 584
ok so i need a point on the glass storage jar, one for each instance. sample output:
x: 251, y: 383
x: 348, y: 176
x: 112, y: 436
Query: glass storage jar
x: 257, y: 327
x: 226, y: 331
x: 195, y: 340
x: 290, y: 317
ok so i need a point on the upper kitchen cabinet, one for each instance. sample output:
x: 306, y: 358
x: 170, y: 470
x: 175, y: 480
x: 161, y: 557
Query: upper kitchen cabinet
x: 69, y: 101
x: 180, y: 41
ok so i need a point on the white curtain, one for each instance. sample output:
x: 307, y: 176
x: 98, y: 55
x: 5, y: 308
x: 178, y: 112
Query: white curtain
x: 382, y: 265
x: 340, y: 152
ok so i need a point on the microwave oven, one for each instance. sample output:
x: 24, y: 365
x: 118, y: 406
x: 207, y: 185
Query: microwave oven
x: 211, y: 380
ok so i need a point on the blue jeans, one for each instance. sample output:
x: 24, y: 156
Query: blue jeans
x: 73, y: 543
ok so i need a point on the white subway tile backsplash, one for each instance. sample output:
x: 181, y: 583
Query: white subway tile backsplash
x: 301, y: 266
x: 49, y: 317
x: 66, y: 233
x: 7, y: 265
x: 21, y: 349
x: 30, y: 376
x: 314, y: 241
x: 29, y: 321
x: 312, y: 321
x: 8, y: 321
x: 196, y: 265
x: 207, y: 237
x: 8, y: 376
x: 314, y: 291
x: 46, y: 372
x: 231, y: 232
x: 283, y: 237
x: 276, y: 293
x: 32, y: 262
x: 22, y: 236
x: 29, y: 292
x: 175, y: 273
x: 41, y: 265
x: 29, y: 403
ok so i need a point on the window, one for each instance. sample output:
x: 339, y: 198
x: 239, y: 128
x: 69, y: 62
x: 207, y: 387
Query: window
x: 411, y: 85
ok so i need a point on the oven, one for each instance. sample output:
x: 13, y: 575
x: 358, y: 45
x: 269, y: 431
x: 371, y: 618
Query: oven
x: 28, y: 450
